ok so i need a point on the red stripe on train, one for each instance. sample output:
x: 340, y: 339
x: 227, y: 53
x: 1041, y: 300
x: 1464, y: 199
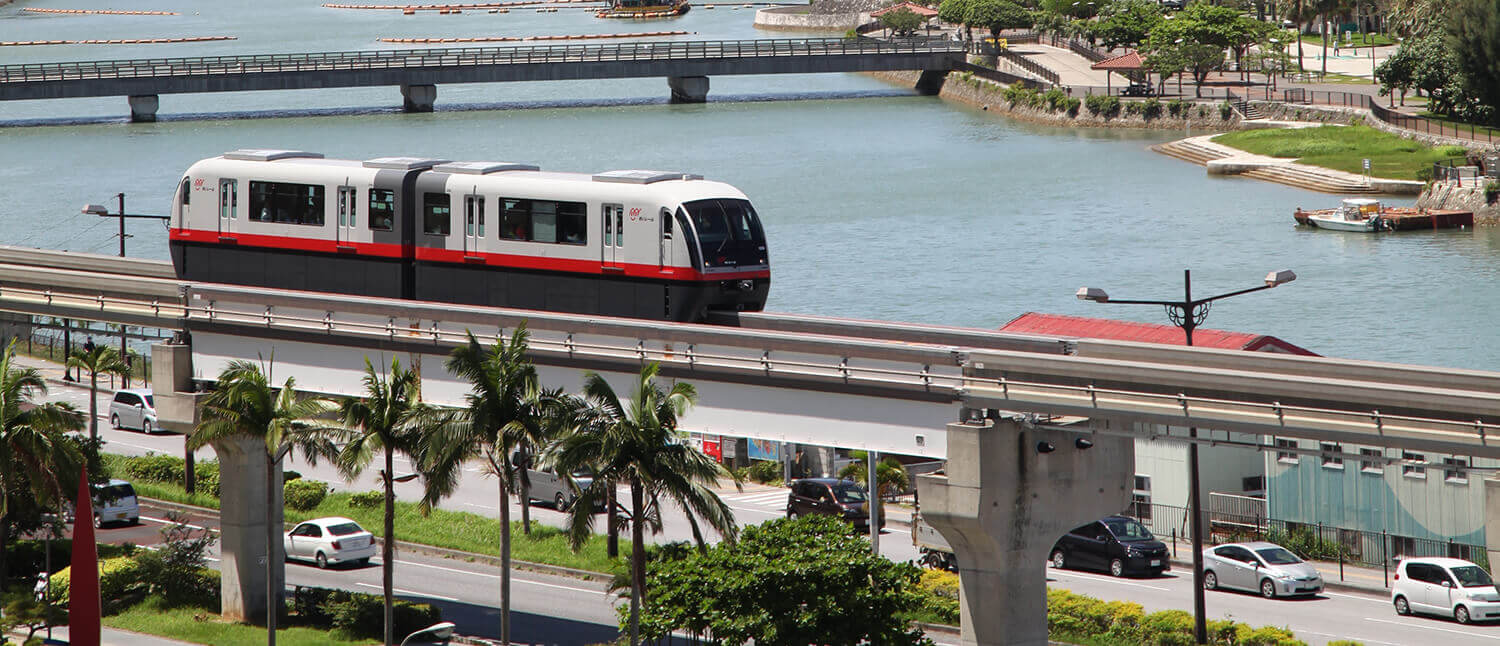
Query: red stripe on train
x: 448, y: 256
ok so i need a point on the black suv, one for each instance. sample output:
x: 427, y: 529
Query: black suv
x: 830, y: 497
x: 1116, y: 544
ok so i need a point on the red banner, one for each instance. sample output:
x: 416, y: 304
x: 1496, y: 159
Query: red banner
x: 83, y: 587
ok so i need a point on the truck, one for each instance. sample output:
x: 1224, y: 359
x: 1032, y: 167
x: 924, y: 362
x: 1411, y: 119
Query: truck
x: 935, y: 550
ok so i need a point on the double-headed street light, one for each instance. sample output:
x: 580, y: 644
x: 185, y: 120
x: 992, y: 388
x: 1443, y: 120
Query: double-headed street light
x: 1188, y: 314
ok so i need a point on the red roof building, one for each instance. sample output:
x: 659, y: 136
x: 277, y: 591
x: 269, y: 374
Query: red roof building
x: 1083, y: 327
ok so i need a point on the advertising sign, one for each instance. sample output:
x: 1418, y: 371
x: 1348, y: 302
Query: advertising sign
x: 711, y: 447
x: 764, y: 449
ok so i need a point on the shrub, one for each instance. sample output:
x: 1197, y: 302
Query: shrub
x: 940, y: 591
x: 1202, y: 111
x: 1424, y: 174
x: 1133, y: 108
x: 304, y: 495
x: 1054, y: 99
x: 360, y: 615
x: 1071, y: 105
x: 1102, y: 105
x: 1151, y: 108
x: 1226, y: 110
x: 1177, y: 108
x: 158, y: 467
x: 118, y: 577
x: 765, y: 471
x: 367, y: 499
x: 1265, y: 636
x: 1305, y: 544
x: 1491, y: 192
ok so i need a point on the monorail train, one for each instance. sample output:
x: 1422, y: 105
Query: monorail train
x: 634, y: 243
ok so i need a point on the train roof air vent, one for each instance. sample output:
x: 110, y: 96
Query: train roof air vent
x: 403, y: 163
x: 266, y: 154
x: 641, y: 176
x: 481, y: 168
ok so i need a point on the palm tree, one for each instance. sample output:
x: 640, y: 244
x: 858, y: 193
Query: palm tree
x: 637, y: 441
x: 36, y: 457
x: 541, y: 419
x: 383, y: 421
x: 244, y: 404
x: 890, y: 476
x: 97, y: 360
x: 494, y: 422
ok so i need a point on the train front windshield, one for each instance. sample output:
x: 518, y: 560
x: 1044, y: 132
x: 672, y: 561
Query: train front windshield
x: 729, y: 233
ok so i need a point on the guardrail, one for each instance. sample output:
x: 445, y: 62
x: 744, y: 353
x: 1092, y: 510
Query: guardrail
x: 470, y: 56
x: 1027, y: 64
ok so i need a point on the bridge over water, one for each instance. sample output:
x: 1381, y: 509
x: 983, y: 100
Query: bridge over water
x: 686, y: 65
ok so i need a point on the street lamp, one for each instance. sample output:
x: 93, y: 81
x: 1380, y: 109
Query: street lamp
x: 1188, y: 314
x: 100, y: 210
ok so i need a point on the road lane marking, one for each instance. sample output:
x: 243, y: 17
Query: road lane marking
x: 1356, y: 596
x: 496, y: 576
x: 168, y: 522
x: 1426, y: 627
x: 407, y: 592
x: 1103, y: 579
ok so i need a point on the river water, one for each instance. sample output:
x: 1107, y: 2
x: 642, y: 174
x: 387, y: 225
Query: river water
x: 877, y: 203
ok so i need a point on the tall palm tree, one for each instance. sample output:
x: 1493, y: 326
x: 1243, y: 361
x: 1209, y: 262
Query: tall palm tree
x: 638, y: 442
x: 493, y: 423
x: 383, y: 421
x: 541, y: 419
x: 99, y: 359
x: 1298, y: 12
x: 244, y: 404
x: 890, y: 476
x: 36, y: 457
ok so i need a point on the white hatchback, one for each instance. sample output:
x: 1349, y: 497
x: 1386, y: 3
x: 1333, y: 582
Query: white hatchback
x: 330, y: 540
x: 1447, y: 587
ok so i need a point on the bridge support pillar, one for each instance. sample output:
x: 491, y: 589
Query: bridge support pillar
x: 418, y: 98
x: 931, y: 81
x: 688, y: 89
x: 143, y: 107
x: 243, y: 530
x: 1003, y: 503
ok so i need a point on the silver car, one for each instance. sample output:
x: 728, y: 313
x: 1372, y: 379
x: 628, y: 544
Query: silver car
x: 1267, y: 568
x: 133, y: 408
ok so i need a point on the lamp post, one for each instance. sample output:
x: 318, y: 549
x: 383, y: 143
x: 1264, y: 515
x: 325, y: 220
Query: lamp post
x: 100, y: 210
x: 1188, y: 314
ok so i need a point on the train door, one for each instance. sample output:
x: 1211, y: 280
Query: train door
x: 229, y: 202
x: 474, y: 226
x: 665, y: 256
x: 348, y: 215
x: 614, y: 237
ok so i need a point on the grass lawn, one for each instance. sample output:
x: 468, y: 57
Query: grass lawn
x: 1343, y: 148
x: 441, y: 528
x: 205, y: 627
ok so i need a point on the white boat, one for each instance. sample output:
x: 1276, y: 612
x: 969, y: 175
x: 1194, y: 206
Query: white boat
x: 1355, y: 214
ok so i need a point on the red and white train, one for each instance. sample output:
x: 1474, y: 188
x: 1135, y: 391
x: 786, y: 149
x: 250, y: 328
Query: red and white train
x: 641, y: 244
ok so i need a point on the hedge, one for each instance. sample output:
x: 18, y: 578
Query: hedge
x: 357, y: 614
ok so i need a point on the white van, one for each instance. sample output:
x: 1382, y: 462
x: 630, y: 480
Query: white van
x: 1445, y: 587
x: 133, y: 408
x: 114, y: 502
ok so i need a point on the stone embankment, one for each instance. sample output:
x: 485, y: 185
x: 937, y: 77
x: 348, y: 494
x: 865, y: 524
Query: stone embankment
x: 1468, y: 197
x: 799, y: 18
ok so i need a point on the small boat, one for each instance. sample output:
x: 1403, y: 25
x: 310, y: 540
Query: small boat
x: 1355, y: 214
x: 644, y: 9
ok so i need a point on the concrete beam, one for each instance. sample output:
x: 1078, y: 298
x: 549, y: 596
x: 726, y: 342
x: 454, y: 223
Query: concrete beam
x: 1003, y: 504
x: 172, y: 385
x: 418, y: 98
x: 143, y: 107
x: 688, y: 89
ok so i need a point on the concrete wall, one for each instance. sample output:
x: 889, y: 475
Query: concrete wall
x: 1469, y: 197
x: 798, y: 18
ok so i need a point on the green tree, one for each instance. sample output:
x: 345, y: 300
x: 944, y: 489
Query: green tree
x: 1417, y: 18
x: 1398, y: 72
x: 38, y: 462
x: 491, y: 426
x: 1474, y: 40
x: 636, y: 441
x: 1127, y: 23
x: 1196, y: 38
x: 998, y: 15
x: 955, y: 12
x: 384, y: 421
x: 244, y: 404
x: 1083, y: 9
x: 786, y: 583
x: 902, y: 22
x: 102, y: 359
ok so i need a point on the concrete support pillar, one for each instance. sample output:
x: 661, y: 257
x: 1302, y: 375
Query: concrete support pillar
x: 172, y: 385
x: 688, y: 89
x: 1002, y: 505
x: 1492, y: 517
x: 242, y: 541
x: 418, y: 98
x: 143, y: 107
x: 931, y: 81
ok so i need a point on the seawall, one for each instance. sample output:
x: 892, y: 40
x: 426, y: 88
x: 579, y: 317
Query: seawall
x: 1469, y: 197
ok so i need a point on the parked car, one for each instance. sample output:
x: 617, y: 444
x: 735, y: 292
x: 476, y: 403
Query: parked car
x: 548, y: 487
x: 1119, y: 545
x: 1446, y: 587
x: 830, y: 497
x: 1262, y: 567
x: 1173, y: 4
x: 113, y: 502
x: 133, y: 408
x: 329, y: 540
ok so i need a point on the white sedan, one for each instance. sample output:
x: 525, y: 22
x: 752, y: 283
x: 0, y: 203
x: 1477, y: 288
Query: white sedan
x: 330, y: 540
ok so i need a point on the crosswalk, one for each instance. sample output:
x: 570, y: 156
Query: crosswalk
x: 769, y: 501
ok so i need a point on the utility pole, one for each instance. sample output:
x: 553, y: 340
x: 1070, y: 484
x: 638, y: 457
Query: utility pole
x: 95, y: 209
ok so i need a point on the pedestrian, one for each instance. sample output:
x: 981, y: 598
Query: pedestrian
x: 88, y: 345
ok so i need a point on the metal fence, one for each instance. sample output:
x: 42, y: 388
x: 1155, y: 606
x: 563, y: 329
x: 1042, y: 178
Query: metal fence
x: 1312, y: 541
x: 1383, y: 113
x: 1027, y: 64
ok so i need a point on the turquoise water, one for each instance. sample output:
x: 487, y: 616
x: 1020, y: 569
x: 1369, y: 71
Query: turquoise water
x: 877, y: 203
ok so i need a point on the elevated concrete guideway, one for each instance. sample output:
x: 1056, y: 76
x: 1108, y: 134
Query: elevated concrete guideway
x: 686, y: 64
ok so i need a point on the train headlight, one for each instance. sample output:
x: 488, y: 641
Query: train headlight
x: 746, y: 285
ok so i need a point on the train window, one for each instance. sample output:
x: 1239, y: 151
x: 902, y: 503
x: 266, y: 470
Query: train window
x: 728, y: 231
x: 286, y: 203
x: 544, y: 221
x: 186, y: 189
x: 382, y: 209
x: 436, y: 212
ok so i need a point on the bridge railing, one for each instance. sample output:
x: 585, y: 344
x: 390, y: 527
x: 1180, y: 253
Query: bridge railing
x: 469, y: 56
